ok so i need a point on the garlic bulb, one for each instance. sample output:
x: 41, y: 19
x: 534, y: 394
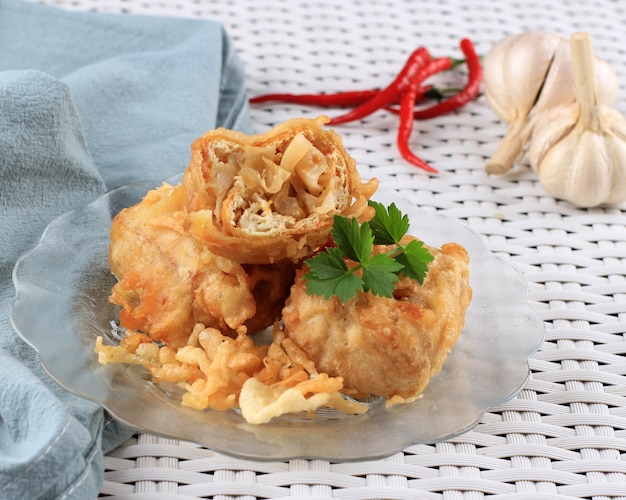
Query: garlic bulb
x: 579, y: 149
x: 513, y: 71
x: 526, y: 74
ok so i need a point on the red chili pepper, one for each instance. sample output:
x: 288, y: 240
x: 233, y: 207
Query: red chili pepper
x: 406, y: 128
x: 407, y: 88
x: 406, y: 110
x: 348, y: 98
x: 390, y: 94
x: 469, y: 91
x: 344, y: 98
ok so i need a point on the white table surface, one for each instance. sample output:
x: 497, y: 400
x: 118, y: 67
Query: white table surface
x: 564, y: 435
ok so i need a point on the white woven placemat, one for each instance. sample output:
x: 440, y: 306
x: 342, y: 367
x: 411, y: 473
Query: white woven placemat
x: 564, y: 436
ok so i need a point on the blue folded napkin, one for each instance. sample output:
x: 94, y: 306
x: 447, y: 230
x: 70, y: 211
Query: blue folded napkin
x: 88, y: 102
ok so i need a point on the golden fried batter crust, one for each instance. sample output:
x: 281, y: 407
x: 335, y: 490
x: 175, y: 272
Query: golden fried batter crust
x: 385, y: 346
x: 168, y: 281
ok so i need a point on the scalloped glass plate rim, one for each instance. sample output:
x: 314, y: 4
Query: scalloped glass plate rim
x: 65, y: 278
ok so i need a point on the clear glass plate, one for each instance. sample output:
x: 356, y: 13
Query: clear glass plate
x: 62, y: 305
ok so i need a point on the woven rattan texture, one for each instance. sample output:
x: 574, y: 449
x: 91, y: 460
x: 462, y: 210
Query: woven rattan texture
x: 564, y: 436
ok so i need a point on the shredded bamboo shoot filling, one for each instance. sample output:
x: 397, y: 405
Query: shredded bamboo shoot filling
x: 290, y: 185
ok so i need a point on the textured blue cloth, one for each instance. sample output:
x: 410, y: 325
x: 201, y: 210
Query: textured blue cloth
x: 87, y: 102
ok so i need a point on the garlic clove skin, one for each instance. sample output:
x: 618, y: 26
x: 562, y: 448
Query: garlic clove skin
x: 514, y: 70
x: 616, y: 149
x: 572, y: 164
x: 551, y: 127
x: 558, y: 87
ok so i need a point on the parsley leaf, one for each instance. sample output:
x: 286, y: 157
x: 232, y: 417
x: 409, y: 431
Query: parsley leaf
x: 329, y: 274
x: 415, y: 260
x: 380, y: 275
x: 353, y: 240
x: 388, y: 225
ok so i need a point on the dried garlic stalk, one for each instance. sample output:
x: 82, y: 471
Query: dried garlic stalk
x: 579, y: 150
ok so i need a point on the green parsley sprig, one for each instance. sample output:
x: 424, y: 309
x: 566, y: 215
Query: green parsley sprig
x: 329, y: 274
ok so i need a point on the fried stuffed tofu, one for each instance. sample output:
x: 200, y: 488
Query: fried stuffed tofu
x: 385, y: 346
x: 264, y: 198
x: 168, y: 281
